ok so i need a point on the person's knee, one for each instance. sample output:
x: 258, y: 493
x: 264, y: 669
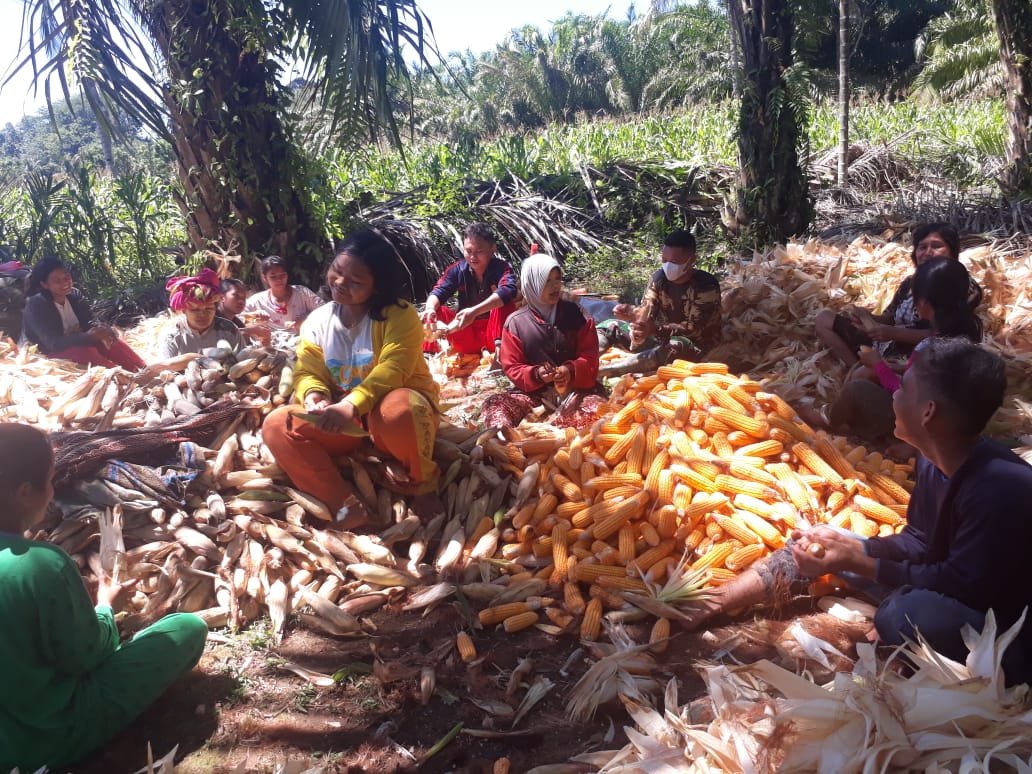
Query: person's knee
x: 194, y: 634
x: 937, y: 618
x: 824, y: 320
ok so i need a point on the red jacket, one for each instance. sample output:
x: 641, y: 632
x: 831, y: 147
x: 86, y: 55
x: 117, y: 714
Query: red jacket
x: 528, y: 341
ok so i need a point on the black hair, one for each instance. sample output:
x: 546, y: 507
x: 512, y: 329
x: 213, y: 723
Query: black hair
x: 391, y: 279
x: 947, y: 232
x: 965, y: 379
x: 944, y: 285
x: 25, y: 456
x: 480, y: 231
x: 270, y: 262
x: 680, y: 238
x: 230, y: 283
x: 41, y: 272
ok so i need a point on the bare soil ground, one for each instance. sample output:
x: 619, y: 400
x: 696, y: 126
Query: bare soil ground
x: 240, y: 711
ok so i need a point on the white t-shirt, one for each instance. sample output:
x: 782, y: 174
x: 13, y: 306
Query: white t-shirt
x: 302, y: 302
x: 68, y: 318
x: 348, y: 352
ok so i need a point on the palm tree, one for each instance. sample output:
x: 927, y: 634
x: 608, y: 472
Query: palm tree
x: 960, y: 53
x: 206, y: 76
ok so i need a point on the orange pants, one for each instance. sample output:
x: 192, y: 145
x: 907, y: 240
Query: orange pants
x: 403, y: 424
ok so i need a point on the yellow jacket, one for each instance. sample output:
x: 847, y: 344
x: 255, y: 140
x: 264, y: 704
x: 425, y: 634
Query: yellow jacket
x: 397, y: 360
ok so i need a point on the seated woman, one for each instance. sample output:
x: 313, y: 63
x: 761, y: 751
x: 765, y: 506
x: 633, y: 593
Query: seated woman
x: 940, y: 292
x: 198, y: 326
x: 283, y: 305
x: 548, y: 349
x: 58, y: 320
x: 68, y: 685
x: 486, y: 289
x: 360, y: 367
x: 899, y: 328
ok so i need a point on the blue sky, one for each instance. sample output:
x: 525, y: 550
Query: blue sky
x: 458, y: 25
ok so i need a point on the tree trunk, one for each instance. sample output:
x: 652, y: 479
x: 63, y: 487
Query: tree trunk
x: 236, y: 167
x: 735, y: 60
x: 1014, y: 27
x: 772, y: 198
x: 843, y: 93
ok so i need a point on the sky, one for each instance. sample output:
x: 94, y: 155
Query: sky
x: 458, y: 25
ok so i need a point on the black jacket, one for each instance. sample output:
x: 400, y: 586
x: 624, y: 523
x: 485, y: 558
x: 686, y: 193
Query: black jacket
x: 42, y: 326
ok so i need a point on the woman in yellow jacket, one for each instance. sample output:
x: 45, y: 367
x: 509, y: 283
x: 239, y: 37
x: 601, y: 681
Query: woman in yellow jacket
x: 359, y: 366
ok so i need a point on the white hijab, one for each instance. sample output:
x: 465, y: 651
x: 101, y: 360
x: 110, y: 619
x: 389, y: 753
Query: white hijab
x: 533, y: 277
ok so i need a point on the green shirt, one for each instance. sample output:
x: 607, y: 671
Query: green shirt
x: 53, y: 636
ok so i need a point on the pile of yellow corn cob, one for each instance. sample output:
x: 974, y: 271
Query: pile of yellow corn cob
x: 690, y: 463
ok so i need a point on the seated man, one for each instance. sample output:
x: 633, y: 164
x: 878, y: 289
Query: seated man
x: 486, y: 288
x: 968, y: 523
x: 679, y: 315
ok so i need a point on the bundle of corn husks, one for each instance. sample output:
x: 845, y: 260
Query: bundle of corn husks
x: 943, y: 717
x: 690, y: 476
x: 770, y: 303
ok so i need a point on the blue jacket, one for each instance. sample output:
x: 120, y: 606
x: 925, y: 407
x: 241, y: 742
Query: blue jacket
x: 41, y: 323
x: 967, y: 536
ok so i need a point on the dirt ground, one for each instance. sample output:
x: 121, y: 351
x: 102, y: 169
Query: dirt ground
x: 240, y: 711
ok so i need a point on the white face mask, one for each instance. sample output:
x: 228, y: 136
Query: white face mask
x: 674, y: 271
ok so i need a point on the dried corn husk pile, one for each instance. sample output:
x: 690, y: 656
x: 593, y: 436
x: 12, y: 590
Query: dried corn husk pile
x: 691, y: 476
x: 769, y: 305
x: 944, y: 717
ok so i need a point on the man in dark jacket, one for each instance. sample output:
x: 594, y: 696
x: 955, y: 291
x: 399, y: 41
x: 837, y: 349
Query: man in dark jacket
x: 968, y: 523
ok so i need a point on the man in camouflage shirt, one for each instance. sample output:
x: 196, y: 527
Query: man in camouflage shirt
x: 680, y: 300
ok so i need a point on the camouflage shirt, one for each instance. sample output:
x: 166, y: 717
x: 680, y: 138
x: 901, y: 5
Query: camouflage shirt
x: 694, y: 305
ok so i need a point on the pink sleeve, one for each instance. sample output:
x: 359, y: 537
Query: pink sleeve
x: 887, y: 378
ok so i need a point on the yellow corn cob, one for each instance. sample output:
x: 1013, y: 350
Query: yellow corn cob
x: 813, y: 461
x: 524, y: 515
x: 625, y: 541
x: 767, y: 531
x: 693, y: 538
x: 607, y: 526
x: 877, y: 511
x: 713, y: 529
x: 824, y: 447
x: 573, y: 600
x: 620, y: 467
x: 744, y: 397
x: 622, y: 448
x: 515, y: 623
x: 720, y: 397
x: 755, y: 427
x: 721, y: 575
x: 651, y: 556
x: 560, y: 550
x: 737, y: 438
x: 694, y: 479
x: 484, y: 526
x: 715, y: 556
x: 620, y: 492
x: 793, y: 429
x: 861, y: 525
x: 559, y: 617
x: 668, y: 522
x: 742, y: 557
x: 636, y: 454
x: 712, y: 426
x: 609, y: 555
x: 567, y: 510
x: 501, y: 766
x: 836, y: 501
x: 896, y: 491
x: 793, y: 486
x: 591, y: 626
x: 780, y: 406
x: 665, y: 485
x: 467, y: 650
x: 588, y: 572
x: 768, y: 448
x: 625, y: 414
x: 749, y: 472
x: 736, y: 528
x: 856, y: 455
x: 706, y: 467
x: 658, y: 465
x: 613, y: 480
x: 498, y: 613
x: 732, y: 485
x: 621, y: 584
x: 651, y: 447
x: 566, y: 487
x: 760, y: 507
x: 661, y: 569
x: 673, y: 371
x: 660, y: 635
x: 841, y: 519
x: 545, y: 506
x: 649, y: 534
x: 533, y: 446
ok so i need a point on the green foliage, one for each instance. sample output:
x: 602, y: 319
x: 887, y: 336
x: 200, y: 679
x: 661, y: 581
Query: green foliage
x: 960, y: 54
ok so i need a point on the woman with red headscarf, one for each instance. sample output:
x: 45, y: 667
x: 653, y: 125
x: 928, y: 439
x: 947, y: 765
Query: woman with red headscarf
x: 198, y: 327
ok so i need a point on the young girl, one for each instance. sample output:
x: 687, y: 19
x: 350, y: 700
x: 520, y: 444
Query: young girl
x: 198, y: 326
x: 282, y: 305
x: 360, y: 366
x: 548, y: 348
x: 941, y: 289
x: 67, y: 685
x: 58, y: 320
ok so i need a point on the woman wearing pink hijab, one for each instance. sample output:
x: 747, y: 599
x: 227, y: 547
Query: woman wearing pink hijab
x: 198, y: 328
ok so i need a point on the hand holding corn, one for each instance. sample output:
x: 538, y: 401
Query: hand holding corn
x: 840, y: 553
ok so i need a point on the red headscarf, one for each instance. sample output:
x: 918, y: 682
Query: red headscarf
x: 184, y: 292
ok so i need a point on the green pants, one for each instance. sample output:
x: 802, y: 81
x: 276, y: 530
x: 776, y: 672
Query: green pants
x: 111, y: 696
